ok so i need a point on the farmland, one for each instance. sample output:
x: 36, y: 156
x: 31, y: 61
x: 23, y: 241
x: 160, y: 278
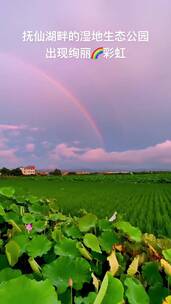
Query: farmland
x: 143, y: 199
x: 47, y: 257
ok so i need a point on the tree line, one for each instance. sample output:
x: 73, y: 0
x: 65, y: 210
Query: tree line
x: 17, y: 172
x: 10, y: 172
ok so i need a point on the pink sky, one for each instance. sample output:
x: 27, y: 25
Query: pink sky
x: 73, y: 113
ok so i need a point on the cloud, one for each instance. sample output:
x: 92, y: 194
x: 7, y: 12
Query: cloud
x: 157, y: 154
x: 30, y: 147
x: 16, y: 144
x: 8, y: 127
x: 65, y: 151
x: 11, y: 127
x: 7, y: 154
x: 9, y: 157
x: 11, y: 138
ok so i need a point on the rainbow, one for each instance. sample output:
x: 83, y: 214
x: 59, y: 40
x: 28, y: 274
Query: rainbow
x: 59, y: 86
x: 96, y: 53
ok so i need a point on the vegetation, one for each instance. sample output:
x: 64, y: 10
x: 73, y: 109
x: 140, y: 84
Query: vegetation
x: 10, y: 172
x: 47, y: 257
x: 56, y: 172
x: 143, y: 199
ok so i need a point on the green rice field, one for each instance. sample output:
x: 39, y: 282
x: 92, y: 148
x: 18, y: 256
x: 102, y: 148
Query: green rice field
x: 143, y: 199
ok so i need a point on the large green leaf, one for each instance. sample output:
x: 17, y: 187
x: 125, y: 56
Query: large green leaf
x: 33, y: 199
x: 87, y: 222
x: 115, y: 291
x: 15, y: 208
x: 92, y: 242
x: 72, y: 231
x: 25, y: 291
x: 7, y: 191
x: 67, y: 247
x: 157, y: 294
x: 7, y: 274
x: 64, y: 268
x: 86, y: 300
x: 12, y: 251
x: 133, y: 232
x: 2, y: 212
x: 22, y: 240
x: 65, y: 297
x: 38, y: 246
x: 58, y: 217
x: 151, y: 273
x: 39, y: 226
x: 3, y: 261
x: 57, y: 234
x: 167, y: 255
x: 104, y: 225
x: 136, y: 293
x: 111, y: 291
x: 39, y: 208
x: 28, y: 218
x: 107, y: 240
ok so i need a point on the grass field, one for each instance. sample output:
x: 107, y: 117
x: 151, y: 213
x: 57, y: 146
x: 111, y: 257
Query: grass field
x: 143, y: 199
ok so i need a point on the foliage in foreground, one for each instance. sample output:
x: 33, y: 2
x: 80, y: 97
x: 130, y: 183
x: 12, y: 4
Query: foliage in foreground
x: 47, y: 257
x: 129, y: 195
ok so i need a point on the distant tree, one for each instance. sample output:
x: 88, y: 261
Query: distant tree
x: 5, y: 171
x: 16, y: 172
x: 56, y: 172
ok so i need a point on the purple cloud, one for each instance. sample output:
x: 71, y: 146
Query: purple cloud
x: 159, y: 153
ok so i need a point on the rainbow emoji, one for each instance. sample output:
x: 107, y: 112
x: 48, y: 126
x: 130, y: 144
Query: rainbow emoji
x: 96, y: 53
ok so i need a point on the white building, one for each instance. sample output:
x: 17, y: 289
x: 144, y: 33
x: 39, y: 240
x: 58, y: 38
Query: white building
x: 29, y: 170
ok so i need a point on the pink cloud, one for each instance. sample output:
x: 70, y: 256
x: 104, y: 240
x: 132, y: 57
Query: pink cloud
x: 10, y: 127
x: 159, y: 153
x: 30, y: 147
x: 7, y: 155
x: 64, y: 151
